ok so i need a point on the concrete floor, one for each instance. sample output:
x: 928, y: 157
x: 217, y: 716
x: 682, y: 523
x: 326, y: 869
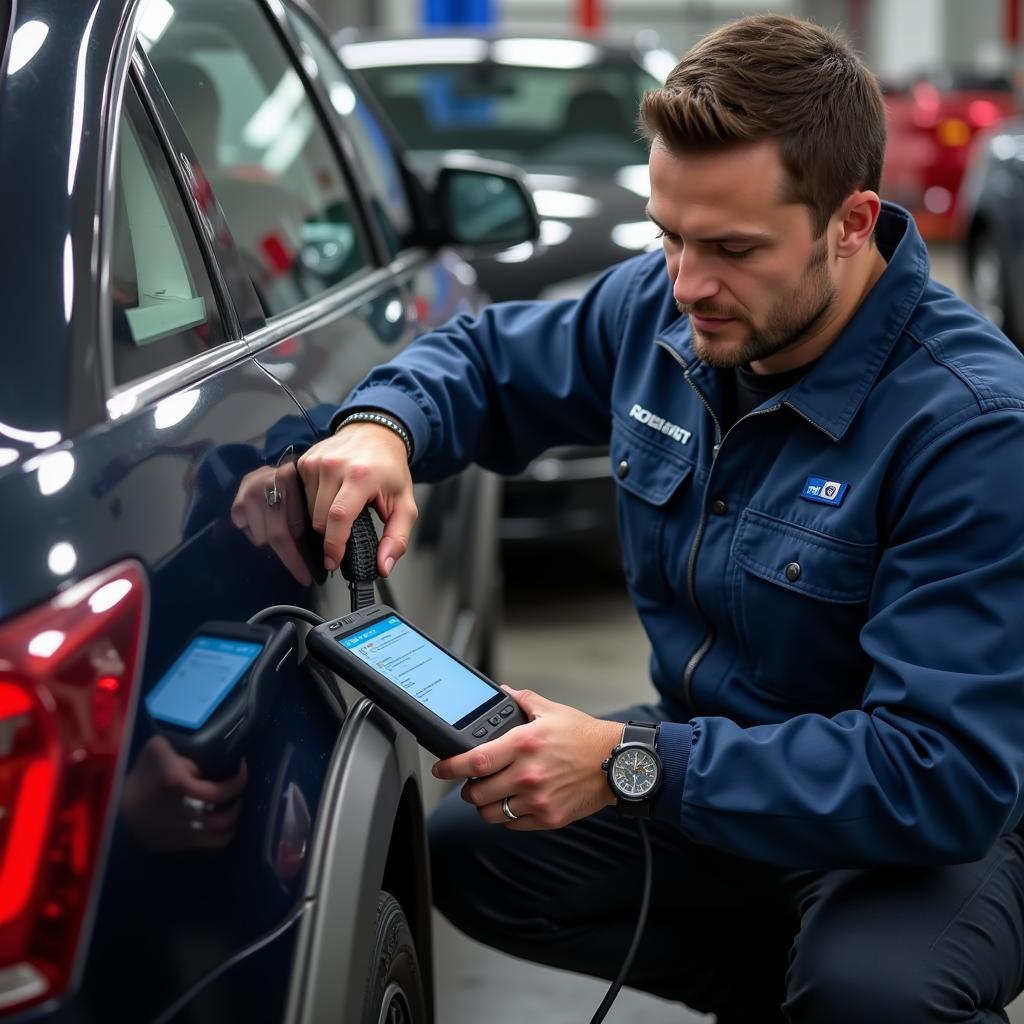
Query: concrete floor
x: 572, y: 635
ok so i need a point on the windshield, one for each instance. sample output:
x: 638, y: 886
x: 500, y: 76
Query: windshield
x: 581, y: 117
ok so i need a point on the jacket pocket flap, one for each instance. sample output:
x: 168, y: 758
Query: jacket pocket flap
x: 645, y: 469
x: 804, y: 560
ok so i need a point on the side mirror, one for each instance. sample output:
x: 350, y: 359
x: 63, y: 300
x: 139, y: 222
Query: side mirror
x: 483, y: 203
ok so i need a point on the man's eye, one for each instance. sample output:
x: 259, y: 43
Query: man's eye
x: 735, y: 254
x: 667, y: 235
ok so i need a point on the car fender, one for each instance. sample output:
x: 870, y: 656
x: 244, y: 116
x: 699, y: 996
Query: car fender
x: 374, y: 762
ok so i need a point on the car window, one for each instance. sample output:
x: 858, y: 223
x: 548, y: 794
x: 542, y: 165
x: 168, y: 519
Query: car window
x: 263, y: 147
x: 584, y: 116
x: 387, y: 191
x: 163, y: 308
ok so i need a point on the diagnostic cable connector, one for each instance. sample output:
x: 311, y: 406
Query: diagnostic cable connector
x: 359, y: 564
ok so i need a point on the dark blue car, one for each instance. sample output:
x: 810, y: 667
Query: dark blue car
x: 209, y: 238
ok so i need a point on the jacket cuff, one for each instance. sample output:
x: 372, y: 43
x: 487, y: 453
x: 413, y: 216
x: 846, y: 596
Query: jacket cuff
x: 398, y: 404
x: 674, y: 741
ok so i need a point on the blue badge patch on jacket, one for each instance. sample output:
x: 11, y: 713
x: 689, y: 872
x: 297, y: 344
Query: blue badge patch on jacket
x: 826, y: 492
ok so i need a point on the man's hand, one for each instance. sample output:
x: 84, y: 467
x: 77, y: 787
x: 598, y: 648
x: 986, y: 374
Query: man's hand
x: 277, y: 526
x: 168, y: 805
x: 550, y: 768
x: 362, y: 463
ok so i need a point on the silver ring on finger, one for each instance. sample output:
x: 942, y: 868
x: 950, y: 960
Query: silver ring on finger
x: 273, y: 495
x: 507, y: 811
x: 196, y: 807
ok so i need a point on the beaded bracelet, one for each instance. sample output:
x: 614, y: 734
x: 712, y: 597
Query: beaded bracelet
x: 383, y: 421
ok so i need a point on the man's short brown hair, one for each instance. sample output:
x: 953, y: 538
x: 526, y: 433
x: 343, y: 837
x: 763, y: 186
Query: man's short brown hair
x: 775, y: 77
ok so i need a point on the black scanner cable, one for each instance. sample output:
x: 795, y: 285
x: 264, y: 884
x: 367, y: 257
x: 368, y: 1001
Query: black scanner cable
x: 359, y: 567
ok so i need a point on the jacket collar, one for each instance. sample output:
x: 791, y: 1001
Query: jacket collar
x: 834, y: 390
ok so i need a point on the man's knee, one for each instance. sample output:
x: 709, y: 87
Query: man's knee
x: 851, y: 983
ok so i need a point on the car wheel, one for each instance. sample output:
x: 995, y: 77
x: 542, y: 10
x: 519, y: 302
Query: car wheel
x: 394, y: 989
x: 989, y: 289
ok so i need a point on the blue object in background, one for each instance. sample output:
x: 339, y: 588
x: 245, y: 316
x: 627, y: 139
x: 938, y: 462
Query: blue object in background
x: 458, y: 12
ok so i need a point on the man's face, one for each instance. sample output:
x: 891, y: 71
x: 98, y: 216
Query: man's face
x: 743, y: 263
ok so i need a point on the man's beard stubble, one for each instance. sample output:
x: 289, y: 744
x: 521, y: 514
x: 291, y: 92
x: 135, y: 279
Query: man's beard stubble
x: 792, y: 319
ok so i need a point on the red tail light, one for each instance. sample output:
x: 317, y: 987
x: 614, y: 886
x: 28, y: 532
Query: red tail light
x: 67, y: 682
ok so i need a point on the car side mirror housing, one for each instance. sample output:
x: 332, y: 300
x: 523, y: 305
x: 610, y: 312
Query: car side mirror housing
x: 483, y: 203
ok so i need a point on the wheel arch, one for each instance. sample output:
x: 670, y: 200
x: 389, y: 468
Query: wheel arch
x: 407, y: 878
x: 369, y: 834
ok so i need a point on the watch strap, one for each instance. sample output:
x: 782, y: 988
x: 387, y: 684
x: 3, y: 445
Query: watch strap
x: 635, y: 808
x: 641, y: 732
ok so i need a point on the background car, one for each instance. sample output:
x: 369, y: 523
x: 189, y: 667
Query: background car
x: 564, y: 109
x: 216, y: 239
x: 932, y: 121
x: 992, y: 217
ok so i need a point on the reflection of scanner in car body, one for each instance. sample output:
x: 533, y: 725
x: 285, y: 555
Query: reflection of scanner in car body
x: 216, y: 693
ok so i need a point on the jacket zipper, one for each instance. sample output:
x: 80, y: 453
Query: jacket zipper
x: 691, y: 566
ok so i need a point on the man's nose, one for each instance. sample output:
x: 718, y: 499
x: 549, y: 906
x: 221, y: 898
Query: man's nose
x: 694, y: 280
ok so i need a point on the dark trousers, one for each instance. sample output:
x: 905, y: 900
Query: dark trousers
x: 751, y: 943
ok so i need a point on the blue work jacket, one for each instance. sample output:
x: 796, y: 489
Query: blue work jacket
x: 833, y: 591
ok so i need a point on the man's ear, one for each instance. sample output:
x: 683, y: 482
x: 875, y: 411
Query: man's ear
x: 854, y: 222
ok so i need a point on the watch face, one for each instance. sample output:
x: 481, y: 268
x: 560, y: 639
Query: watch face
x: 634, y: 772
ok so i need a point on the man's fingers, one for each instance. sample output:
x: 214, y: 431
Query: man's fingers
x: 223, y: 791
x: 329, y: 482
x: 342, y: 474
x: 247, y: 514
x: 350, y: 500
x: 223, y: 819
x: 282, y: 543
x: 394, y: 541
x: 308, y: 465
x: 486, y: 759
x: 494, y: 814
x: 287, y: 551
x: 490, y: 790
x: 533, y: 704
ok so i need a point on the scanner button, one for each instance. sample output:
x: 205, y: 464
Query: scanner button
x: 506, y: 711
x: 482, y: 731
x: 494, y: 720
x: 334, y: 625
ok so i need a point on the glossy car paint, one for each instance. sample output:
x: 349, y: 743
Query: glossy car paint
x: 273, y: 926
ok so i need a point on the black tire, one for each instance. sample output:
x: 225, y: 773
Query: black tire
x: 394, y: 987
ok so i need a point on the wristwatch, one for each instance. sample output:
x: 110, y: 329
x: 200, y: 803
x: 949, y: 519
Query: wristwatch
x: 634, y: 769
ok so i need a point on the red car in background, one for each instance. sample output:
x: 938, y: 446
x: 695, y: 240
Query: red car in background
x: 933, y: 120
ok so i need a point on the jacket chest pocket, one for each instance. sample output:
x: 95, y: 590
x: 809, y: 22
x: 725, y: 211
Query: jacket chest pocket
x: 648, y: 478
x: 799, y: 600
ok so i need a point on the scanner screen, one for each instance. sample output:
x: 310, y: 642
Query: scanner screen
x: 200, y: 680
x: 425, y: 671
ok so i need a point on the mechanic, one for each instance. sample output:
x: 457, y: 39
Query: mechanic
x: 818, y: 452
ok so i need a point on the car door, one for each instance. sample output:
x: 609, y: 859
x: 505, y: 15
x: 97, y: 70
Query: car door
x: 330, y: 242
x: 193, y: 416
